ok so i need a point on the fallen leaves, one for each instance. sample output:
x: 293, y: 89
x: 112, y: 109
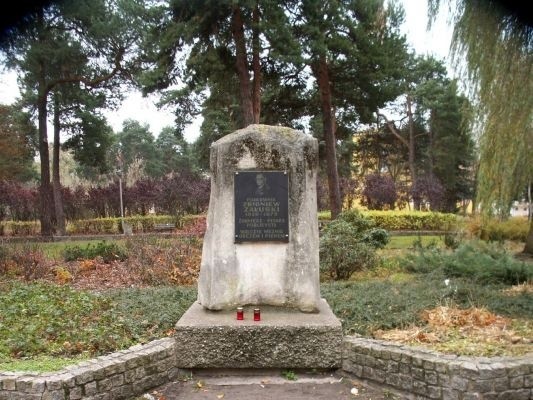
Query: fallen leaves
x: 515, y: 290
x: 451, y: 329
x: 155, y: 395
x: 414, y: 334
x: 445, y: 317
x: 150, y: 262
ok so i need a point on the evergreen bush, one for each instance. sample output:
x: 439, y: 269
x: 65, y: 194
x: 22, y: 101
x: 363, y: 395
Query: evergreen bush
x: 482, y: 263
x: 349, y: 244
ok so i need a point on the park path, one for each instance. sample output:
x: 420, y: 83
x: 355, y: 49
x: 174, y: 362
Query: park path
x: 270, y: 385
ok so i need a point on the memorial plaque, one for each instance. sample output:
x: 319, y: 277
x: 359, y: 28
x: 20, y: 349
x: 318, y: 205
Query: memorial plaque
x: 261, y: 206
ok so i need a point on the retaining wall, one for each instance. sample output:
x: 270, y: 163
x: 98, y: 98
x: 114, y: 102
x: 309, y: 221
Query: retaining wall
x: 121, y: 375
x: 423, y: 373
x: 432, y: 375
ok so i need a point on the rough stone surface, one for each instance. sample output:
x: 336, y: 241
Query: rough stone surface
x: 438, y: 376
x: 101, y: 378
x: 282, y: 339
x: 279, y: 274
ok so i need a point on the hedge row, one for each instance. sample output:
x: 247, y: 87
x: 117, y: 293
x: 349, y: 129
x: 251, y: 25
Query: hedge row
x: 95, y: 226
x: 20, y: 228
x: 512, y: 229
x: 406, y: 220
x: 515, y: 228
x: 413, y: 220
x: 389, y: 220
x: 138, y: 224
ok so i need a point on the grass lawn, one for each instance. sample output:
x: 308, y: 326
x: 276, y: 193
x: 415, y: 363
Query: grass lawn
x: 45, y: 332
x: 44, y: 326
x: 400, y: 305
x: 54, y: 250
x: 40, y: 363
x: 409, y: 241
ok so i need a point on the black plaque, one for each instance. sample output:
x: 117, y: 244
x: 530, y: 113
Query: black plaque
x: 261, y: 206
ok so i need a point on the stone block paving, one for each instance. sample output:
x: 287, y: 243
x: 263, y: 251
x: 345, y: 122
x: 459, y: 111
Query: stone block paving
x: 272, y: 387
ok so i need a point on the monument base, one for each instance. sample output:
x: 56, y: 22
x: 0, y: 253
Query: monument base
x: 284, y: 338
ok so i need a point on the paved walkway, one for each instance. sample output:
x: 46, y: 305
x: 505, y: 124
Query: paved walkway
x: 269, y: 385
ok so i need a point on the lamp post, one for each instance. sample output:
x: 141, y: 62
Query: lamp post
x: 121, y: 203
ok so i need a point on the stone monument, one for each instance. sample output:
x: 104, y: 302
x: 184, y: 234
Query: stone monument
x: 261, y: 250
x: 261, y: 243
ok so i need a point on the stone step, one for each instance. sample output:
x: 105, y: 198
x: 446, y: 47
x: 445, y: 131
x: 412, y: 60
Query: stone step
x: 284, y: 338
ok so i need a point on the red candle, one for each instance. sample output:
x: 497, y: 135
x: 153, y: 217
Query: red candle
x: 257, y: 314
x: 240, y: 313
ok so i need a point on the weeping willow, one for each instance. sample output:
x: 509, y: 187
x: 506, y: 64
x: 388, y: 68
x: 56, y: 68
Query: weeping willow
x: 492, y: 48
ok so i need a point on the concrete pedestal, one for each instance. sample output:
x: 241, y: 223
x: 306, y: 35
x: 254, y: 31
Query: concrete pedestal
x: 284, y: 338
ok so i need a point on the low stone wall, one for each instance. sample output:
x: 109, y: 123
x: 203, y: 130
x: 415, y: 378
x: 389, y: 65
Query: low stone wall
x: 425, y: 374
x: 120, y: 375
x: 432, y: 375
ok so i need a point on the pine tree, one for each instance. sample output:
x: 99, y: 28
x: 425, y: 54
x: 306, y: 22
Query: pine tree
x: 216, y: 40
x: 136, y: 143
x: 353, y: 49
x: 86, y: 43
x: 17, y: 144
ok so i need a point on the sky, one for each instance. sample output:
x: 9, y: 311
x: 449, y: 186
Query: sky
x: 435, y: 42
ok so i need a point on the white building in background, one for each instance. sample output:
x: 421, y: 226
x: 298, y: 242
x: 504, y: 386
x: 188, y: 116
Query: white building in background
x: 519, y: 209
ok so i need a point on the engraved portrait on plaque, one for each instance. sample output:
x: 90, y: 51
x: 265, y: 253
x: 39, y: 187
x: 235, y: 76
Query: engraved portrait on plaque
x: 261, y: 206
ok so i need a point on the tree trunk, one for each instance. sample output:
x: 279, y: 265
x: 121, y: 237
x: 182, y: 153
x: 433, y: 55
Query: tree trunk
x: 241, y: 63
x: 58, y: 196
x: 412, y: 167
x: 529, y: 205
x: 431, y: 144
x: 256, y: 65
x: 45, y: 189
x: 44, y: 155
x: 529, y: 239
x: 321, y: 73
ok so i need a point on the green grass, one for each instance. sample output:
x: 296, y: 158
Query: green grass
x: 289, y: 375
x: 107, y: 251
x: 151, y: 312
x: 40, y: 363
x: 55, y: 250
x: 45, y: 319
x: 365, y: 306
x: 408, y: 242
x: 44, y: 327
x: 31, y: 314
